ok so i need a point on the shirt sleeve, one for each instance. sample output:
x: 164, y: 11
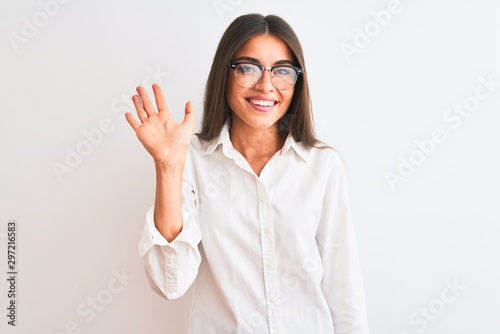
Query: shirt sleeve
x: 342, y: 283
x: 171, y: 267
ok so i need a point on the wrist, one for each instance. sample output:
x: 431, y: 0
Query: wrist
x: 170, y: 164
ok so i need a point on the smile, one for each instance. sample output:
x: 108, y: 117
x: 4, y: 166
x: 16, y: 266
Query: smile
x: 263, y: 103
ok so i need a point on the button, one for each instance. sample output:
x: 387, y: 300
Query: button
x: 267, y: 230
x: 262, y: 198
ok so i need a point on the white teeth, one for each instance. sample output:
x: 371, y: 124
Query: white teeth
x: 263, y: 103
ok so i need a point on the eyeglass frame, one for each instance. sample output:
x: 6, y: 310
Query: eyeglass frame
x: 298, y: 71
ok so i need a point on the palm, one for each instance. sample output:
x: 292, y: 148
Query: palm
x: 160, y: 134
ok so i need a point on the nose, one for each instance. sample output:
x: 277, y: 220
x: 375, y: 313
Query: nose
x: 265, y: 84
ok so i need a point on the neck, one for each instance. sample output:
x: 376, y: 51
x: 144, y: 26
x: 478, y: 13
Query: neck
x: 256, y: 143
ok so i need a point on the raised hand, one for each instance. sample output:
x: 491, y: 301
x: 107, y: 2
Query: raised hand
x: 165, y: 139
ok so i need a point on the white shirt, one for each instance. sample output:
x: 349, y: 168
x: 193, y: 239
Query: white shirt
x: 269, y: 254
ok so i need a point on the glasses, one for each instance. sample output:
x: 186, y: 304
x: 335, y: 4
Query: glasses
x: 248, y: 75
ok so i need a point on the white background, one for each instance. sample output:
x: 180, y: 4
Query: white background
x: 439, y: 226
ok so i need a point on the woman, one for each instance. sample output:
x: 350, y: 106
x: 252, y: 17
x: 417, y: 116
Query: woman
x: 254, y: 209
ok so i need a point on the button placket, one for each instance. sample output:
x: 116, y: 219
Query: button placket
x: 269, y: 259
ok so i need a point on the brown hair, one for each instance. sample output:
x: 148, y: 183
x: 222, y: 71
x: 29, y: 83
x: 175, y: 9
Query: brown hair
x: 298, y: 118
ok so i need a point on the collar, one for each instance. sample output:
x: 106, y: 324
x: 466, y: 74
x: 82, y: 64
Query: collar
x: 296, y: 146
x: 229, y: 151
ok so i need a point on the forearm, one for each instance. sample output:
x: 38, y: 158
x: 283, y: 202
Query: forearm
x: 168, y: 201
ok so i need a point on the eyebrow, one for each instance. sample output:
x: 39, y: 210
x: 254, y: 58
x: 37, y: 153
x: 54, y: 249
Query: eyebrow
x: 254, y: 60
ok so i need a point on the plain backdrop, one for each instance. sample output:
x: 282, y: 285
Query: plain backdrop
x: 385, y: 78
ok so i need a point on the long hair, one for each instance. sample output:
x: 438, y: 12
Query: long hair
x: 298, y: 118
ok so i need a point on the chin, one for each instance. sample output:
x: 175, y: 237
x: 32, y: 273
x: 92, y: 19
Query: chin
x: 259, y: 122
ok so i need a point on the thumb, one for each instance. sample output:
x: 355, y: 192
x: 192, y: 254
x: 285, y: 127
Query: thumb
x: 188, y: 113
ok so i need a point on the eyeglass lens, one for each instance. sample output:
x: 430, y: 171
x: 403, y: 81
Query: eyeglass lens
x: 249, y: 75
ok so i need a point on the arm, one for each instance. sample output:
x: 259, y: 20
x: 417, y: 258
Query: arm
x: 342, y: 282
x: 170, y: 238
x: 167, y: 141
x: 168, y: 201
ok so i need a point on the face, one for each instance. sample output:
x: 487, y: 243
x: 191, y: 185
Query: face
x: 262, y: 106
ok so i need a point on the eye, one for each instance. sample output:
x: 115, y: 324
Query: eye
x: 284, y: 71
x: 247, y: 69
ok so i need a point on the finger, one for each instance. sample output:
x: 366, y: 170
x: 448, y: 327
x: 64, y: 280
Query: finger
x: 146, y: 102
x: 160, y: 100
x: 188, y: 113
x: 131, y: 120
x: 139, y: 108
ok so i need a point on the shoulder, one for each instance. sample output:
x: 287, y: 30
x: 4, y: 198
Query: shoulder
x: 195, y: 155
x: 324, y: 155
x: 199, y: 146
x: 202, y: 153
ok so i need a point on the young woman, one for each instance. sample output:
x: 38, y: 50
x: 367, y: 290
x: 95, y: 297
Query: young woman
x: 253, y: 209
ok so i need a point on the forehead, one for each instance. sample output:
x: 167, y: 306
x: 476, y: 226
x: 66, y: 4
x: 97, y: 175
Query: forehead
x: 267, y: 48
